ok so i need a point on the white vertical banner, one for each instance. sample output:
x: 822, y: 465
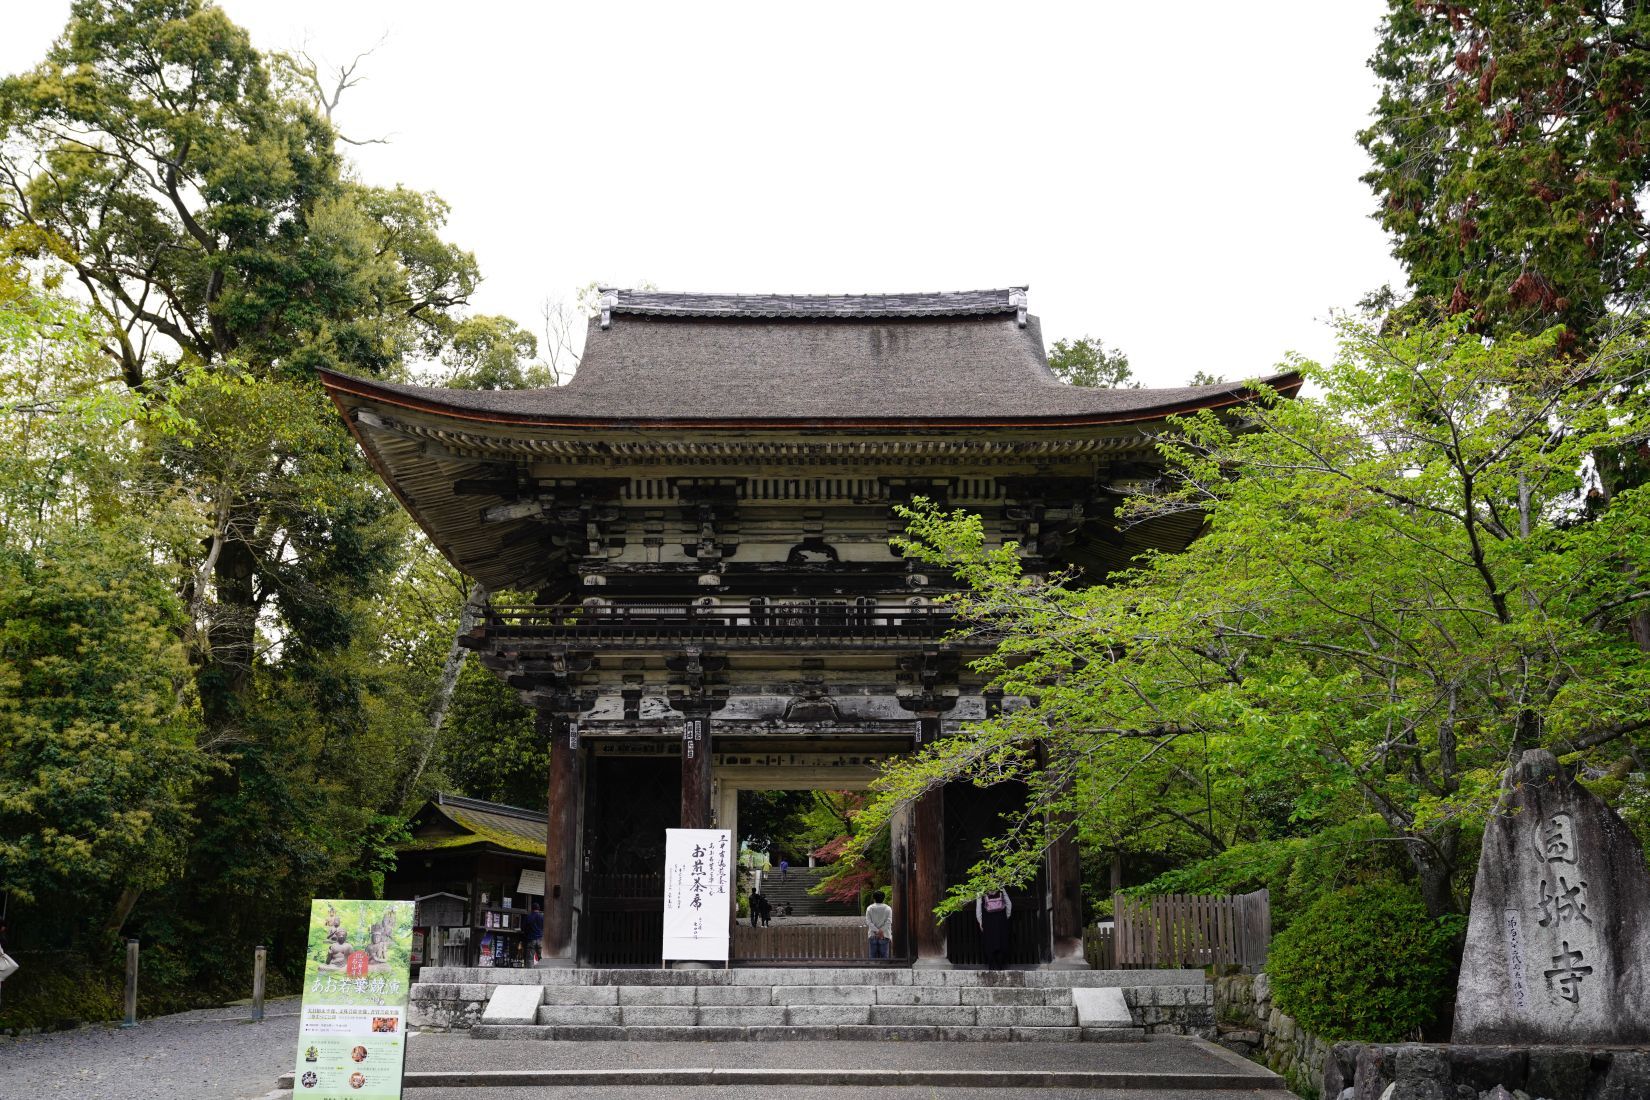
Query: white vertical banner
x: 698, y: 884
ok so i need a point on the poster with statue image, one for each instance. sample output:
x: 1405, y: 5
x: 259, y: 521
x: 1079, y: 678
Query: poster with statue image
x: 352, y: 1033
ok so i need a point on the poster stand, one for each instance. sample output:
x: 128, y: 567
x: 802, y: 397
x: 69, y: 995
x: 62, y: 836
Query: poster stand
x: 698, y: 896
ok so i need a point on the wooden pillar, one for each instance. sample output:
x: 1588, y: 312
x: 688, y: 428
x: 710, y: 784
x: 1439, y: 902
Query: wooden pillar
x: 561, y: 848
x: 928, y: 870
x: 1065, y: 887
x: 696, y: 777
x: 900, y: 895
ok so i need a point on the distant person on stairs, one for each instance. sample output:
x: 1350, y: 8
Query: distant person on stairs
x: 879, y: 926
x: 991, y: 912
x: 784, y: 868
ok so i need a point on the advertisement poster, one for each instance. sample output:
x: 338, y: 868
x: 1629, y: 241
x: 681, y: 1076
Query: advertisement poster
x: 698, y: 885
x: 352, y: 1036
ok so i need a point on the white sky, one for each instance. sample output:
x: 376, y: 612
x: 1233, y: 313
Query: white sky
x: 1180, y: 180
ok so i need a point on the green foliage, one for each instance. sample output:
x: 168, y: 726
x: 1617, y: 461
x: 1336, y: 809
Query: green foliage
x: 1295, y: 871
x: 1087, y: 361
x: 1367, y: 963
x: 493, y: 353
x: 1511, y: 147
x: 205, y: 211
x: 220, y: 639
x: 1377, y: 565
x: 490, y: 746
x: 772, y: 820
x: 96, y: 721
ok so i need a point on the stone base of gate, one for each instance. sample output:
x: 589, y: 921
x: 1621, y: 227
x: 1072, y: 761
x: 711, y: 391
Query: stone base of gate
x: 811, y: 1003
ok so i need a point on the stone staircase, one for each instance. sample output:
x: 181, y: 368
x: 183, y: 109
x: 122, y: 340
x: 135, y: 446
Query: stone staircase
x: 813, y: 1004
x: 792, y: 889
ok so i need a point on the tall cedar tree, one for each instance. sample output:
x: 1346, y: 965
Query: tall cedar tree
x: 1512, y: 151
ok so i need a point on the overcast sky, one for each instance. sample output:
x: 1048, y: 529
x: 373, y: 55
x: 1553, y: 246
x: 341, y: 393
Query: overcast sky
x: 1180, y: 180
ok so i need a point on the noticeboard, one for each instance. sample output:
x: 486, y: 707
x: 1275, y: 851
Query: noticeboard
x: 352, y: 1033
x: 698, y: 893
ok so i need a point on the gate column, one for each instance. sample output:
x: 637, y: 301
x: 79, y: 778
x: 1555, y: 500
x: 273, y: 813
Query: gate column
x: 928, y: 877
x: 696, y: 773
x: 1065, y: 885
x: 561, y: 847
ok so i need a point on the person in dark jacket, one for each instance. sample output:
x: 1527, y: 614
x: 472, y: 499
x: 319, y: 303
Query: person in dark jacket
x: 992, y: 911
x: 533, y: 927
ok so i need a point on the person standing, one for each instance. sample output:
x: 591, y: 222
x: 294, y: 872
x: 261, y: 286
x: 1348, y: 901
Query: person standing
x: 533, y: 926
x: 784, y: 868
x: 992, y: 911
x: 879, y: 926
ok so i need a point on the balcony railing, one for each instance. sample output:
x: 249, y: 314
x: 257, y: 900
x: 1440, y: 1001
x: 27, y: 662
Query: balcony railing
x: 754, y: 620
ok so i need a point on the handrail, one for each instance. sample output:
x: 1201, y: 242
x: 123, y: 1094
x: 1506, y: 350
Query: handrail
x: 844, y: 614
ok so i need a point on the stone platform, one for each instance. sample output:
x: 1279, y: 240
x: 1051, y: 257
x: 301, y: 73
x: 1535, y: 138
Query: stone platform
x: 1156, y: 1067
x: 826, y: 1003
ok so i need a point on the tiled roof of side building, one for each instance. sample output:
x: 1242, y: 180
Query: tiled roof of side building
x: 747, y: 366
x: 471, y: 822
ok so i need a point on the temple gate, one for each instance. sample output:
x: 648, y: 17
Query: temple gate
x: 694, y: 588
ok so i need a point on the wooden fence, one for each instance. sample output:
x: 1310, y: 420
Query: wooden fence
x: 799, y: 942
x: 1184, y: 930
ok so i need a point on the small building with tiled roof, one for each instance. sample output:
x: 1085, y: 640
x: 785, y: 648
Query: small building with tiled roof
x: 702, y: 520
x: 475, y: 869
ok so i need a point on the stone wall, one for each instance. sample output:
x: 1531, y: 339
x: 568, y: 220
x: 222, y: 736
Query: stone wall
x: 1172, y: 1009
x: 1420, y: 1071
x: 1246, y: 1021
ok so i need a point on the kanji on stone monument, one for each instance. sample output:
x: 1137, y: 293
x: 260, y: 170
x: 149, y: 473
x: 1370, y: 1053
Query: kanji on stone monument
x: 1558, y: 946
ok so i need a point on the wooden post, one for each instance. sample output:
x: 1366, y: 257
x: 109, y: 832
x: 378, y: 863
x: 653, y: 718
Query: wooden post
x: 696, y: 778
x: 901, y: 897
x: 928, y: 879
x: 259, y: 956
x: 561, y: 856
x: 1065, y: 879
x: 131, y: 983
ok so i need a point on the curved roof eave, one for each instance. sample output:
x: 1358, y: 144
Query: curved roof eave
x: 425, y: 399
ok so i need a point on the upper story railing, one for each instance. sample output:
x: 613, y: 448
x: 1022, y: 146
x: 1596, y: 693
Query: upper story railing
x: 756, y: 619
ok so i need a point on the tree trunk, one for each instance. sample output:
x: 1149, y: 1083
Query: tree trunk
x: 468, y: 617
x: 1435, y: 869
x: 123, y: 909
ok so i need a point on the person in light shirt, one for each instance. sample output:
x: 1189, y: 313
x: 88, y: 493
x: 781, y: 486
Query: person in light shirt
x: 879, y: 926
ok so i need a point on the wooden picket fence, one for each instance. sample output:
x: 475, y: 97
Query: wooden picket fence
x: 800, y: 942
x: 1185, y: 930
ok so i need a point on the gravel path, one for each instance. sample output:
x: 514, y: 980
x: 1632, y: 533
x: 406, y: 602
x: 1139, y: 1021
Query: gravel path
x: 210, y: 1054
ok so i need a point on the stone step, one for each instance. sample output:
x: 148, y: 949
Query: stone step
x: 805, y: 1015
x: 802, y: 1032
x: 833, y: 975
x: 1163, y: 1002
x: 782, y: 995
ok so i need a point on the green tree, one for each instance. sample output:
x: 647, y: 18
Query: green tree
x: 1512, y: 147
x: 1392, y: 597
x: 205, y: 214
x: 1087, y: 361
x: 493, y: 353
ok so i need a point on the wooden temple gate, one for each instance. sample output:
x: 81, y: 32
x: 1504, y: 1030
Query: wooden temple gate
x: 701, y: 524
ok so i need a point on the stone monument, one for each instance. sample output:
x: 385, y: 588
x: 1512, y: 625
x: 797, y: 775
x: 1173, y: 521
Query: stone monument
x: 1558, y: 944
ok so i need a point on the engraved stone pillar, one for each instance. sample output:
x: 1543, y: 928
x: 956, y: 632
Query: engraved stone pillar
x: 561, y: 848
x: 1558, y: 947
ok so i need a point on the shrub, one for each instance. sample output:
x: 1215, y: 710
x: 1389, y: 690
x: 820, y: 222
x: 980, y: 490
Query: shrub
x: 1297, y: 870
x: 1365, y: 962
